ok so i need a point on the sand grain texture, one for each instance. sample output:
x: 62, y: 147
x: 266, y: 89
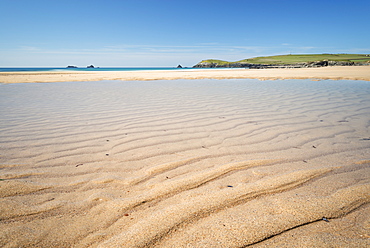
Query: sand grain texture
x: 185, y: 163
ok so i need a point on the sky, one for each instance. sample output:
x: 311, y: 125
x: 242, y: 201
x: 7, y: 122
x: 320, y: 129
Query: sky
x: 166, y: 33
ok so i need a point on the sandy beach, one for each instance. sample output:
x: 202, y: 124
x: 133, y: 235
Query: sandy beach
x: 334, y: 73
x: 236, y: 162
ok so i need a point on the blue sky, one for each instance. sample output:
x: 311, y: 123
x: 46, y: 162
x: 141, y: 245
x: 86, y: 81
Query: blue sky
x: 142, y: 33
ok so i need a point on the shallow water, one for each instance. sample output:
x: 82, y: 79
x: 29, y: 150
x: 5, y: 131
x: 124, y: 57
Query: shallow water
x: 84, y: 149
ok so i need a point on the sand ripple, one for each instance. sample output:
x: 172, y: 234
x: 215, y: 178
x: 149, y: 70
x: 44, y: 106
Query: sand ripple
x: 185, y: 163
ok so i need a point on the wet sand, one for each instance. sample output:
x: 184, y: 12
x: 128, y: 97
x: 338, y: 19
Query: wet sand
x: 185, y: 163
x: 334, y: 73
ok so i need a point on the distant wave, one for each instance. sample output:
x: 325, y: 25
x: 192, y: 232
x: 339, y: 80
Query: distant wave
x: 31, y: 69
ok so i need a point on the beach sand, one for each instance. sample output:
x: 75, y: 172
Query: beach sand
x: 334, y: 73
x: 185, y: 163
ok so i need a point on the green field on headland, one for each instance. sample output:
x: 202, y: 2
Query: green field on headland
x: 297, y: 58
x: 301, y: 58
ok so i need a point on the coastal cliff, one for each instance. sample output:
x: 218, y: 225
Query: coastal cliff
x: 291, y: 61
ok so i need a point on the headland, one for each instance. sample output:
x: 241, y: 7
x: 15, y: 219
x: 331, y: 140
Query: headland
x: 290, y: 61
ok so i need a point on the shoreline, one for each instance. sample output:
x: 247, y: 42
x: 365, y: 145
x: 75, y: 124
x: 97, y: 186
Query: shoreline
x: 323, y: 73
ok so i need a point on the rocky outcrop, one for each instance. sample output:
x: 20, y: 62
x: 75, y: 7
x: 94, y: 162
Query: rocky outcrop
x: 71, y: 66
x: 264, y: 66
x: 91, y: 66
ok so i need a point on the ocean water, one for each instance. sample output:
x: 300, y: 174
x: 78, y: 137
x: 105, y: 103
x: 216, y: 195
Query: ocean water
x: 16, y: 69
x: 30, y: 69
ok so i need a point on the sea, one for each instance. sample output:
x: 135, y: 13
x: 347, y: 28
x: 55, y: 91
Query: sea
x: 36, y: 69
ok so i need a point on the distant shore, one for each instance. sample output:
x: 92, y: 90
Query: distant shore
x: 291, y: 61
x: 333, y: 73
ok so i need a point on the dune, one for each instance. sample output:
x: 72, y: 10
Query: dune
x: 185, y: 163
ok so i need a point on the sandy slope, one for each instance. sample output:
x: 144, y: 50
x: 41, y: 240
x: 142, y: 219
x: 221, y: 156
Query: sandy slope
x: 185, y: 163
x: 336, y: 73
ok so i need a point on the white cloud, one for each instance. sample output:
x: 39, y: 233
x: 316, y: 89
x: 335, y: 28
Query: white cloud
x: 126, y: 55
x: 28, y: 48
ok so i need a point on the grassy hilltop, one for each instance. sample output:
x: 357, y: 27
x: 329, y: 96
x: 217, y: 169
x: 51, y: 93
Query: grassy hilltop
x: 298, y: 58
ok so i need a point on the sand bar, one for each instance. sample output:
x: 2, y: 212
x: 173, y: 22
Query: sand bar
x: 335, y: 73
x: 185, y: 163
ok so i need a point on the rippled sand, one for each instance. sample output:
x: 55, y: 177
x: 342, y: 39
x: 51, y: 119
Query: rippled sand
x: 185, y: 163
